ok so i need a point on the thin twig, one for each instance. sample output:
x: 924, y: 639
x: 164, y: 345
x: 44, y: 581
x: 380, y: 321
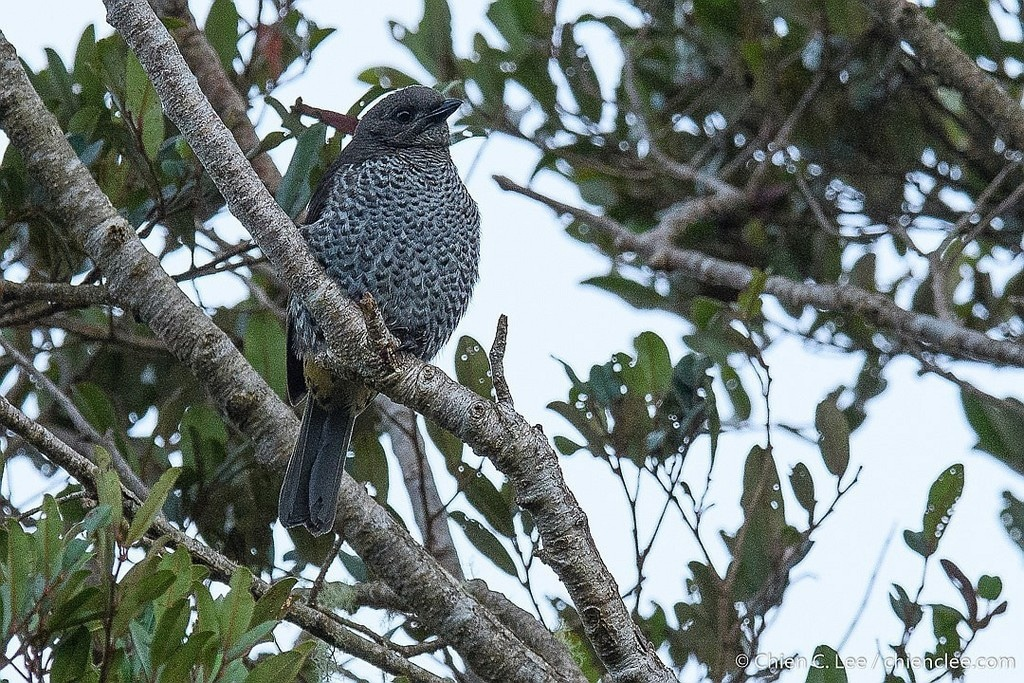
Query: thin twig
x: 867, y: 592
x: 497, y: 358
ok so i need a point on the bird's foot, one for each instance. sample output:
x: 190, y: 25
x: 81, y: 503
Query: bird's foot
x: 380, y: 336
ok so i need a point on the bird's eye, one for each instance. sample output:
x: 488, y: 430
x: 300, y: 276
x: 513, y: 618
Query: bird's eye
x: 403, y: 116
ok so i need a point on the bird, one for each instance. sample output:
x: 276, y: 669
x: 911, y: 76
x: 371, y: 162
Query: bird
x: 390, y: 218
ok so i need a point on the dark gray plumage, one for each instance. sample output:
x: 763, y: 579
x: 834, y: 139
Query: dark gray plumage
x: 392, y: 218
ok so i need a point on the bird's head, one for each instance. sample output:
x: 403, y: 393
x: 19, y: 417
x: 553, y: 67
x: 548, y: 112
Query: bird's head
x: 416, y: 116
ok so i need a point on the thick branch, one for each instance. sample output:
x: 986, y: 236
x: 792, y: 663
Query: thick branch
x: 936, y: 335
x: 71, y: 296
x: 517, y: 448
x: 135, y: 279
x: 940, y: 55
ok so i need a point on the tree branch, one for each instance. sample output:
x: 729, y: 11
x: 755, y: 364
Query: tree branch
x: 940, y: 55
x: 67, y: 295
x: 136, y: 280
x: 937, y: 335
x: 519, y: 450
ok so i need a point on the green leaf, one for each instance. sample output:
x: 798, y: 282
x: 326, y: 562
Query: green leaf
x: 108, y: 487
x: 942, y: 496
x: 144, y: 106
x: 135, y: 592
x: 636, y: 294
x: 767, y: 539
x: 736, y: 391
x: 84, y: 72
x: 580, y: 75
x: 803, y: 488
x: 245, y: 642
x: 264, y: 347
x: 151, y: 507
x: 387, y: 78
x: 472, y: 367
x: 484, y: 541
x: 295, y: 190
x: 451, y: 446
x: 354, y: 566
x: 141, y: 648
x: 272, y: 140
x: 271, y: 604
x: 369, y: 463
x: 945, y: 620
x: 237, y: 608
x: 431, y: 40
x: 95, y: 405
x: 749, y: 300
x: 999, y: 424
x: 203, y: 440
x: 207, y: 613
x: 495, y: 508
x: 907, y: 611
x: 72, y: 656
x: 196, y: 651
x: 49, y: 529
x: 221, y: 30
x: 282, y: 667
x: 566, y: 446
x: 652, y: 372
x: 100, y: 516
x: 827, y: 667
x: 170, y: 631
x: 16, y: 588
x: 833, y: 435
x: 989, y: 587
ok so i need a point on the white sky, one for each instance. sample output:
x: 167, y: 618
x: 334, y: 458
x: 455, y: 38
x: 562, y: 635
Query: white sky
x: 531, y: 271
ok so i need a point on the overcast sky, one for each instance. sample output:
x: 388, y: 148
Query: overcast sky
x: 531, y: 271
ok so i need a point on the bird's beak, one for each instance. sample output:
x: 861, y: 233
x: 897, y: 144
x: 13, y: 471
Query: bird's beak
x: 444, y: 110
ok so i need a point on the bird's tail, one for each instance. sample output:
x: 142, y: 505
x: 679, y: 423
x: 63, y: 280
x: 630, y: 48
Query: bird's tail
x: 309, y: 495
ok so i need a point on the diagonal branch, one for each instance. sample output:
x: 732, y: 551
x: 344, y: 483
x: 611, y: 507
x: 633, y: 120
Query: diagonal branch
x: 937, y: 335
x: 135, y: 279
x: 905, y: 21
x: 519, y: 450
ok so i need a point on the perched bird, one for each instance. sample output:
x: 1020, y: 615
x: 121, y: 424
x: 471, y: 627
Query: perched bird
x: 390, y: 218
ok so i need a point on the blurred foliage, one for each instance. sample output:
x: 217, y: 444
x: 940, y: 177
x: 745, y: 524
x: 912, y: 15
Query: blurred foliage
x: 852, y: 163
x: 74, y: 609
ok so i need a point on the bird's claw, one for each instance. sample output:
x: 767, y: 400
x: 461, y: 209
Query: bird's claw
x: 380, y: 336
